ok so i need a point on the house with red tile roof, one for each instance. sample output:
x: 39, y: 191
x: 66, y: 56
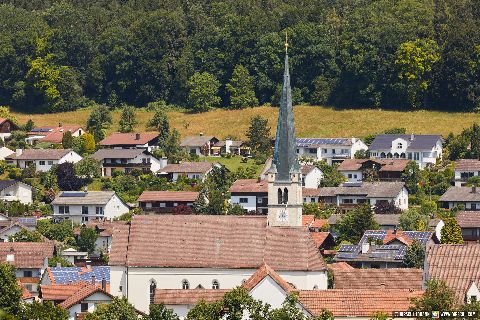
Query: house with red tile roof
x: 392, y: 278
x: 469, y: 222
x: 42, y: 159
x: 465, y: 169
x: 166, y: 201
x: 192, y: 170
x: 53, y: 134
x: 201, y: 145
x: 30, y: 260
x: 382, y: 169
x: 147, y: 141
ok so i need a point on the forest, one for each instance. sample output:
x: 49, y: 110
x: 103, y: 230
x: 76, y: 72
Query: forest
x: 395, y: 54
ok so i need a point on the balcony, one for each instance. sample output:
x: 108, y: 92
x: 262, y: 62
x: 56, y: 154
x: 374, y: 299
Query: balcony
x: 123, y: 165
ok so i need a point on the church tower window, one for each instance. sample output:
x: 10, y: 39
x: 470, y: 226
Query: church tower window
x: 285, y: 196
x: 215, y: 285
x: 280, y: 196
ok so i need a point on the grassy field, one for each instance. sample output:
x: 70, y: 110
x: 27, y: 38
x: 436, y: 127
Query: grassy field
x: 310, y: 121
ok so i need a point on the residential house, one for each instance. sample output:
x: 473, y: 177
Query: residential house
x: 423, y: 149
x: 456, y: 265
x: 468, y: 197
x: 200, y: 145
x: 74, y: 256
x: 147, y: 141
x: 192, y: 170
x: 85, y: 301
x: 82, y: 206
x: 331, y: 150
x: 6, y: 233
x: 76, y: 275
x: 52, y: 135
x: 469, y: 222
x: 357, y: 170
x: 126, y: 160
x: 251, y: 194
x: 30, y: 260
x: 42, y: 159
x: 465, y: 169
x: 234, y: 147
x: 6, y: 128
x: 28, y: 222
x: 195, y: 251
x: 379, y: 279
x: 379, y: 249
x: 5, y: 152
x: 311, y: 175
x: 104, y: 231
x: 166, y: 201
x: 12, y: 190
x: 313, y: 224
x: 349, y: 195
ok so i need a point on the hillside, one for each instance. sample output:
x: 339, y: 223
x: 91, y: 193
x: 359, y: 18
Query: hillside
x: 310, y: 121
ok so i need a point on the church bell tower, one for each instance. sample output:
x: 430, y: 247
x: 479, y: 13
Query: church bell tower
x: 285, y: 200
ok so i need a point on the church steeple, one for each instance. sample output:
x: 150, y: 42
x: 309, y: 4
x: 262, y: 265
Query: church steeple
x: 285, y: 156
x: 285, y: 201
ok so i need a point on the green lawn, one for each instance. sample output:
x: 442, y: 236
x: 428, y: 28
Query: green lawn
x: 234, y: 163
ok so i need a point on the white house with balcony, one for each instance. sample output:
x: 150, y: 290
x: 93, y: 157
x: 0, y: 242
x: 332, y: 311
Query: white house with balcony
x: 126, y: 160
x: 12, y: 190
x: 423, y: 149
x: 82, y: 206
x: 331, y: 150
x: 466, y: 169
x: 42, y: 159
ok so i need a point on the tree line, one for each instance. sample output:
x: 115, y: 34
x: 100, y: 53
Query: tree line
x: 402, y: 54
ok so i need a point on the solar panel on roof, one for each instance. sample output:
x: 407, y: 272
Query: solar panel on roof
x: 346, y: 255
x: 73, y: 194
x: 27, y: 220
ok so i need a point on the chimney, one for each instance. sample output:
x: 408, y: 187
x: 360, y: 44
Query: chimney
x: 85, y: 189
x: 354, y: 140
x: 18, y: 152
x: 365, y: 247
x: 412, y: 136
x: 93, y: 279
x: 137, y: 136
x: 59, y: 265
x: 163, y: 162
x: 474, y: 188
x: 10, y: 257
x: 104, y: 284
x: 88, y: 265
x: 201, y: 134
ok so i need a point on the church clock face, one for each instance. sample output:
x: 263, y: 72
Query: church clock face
x: 282, y: 215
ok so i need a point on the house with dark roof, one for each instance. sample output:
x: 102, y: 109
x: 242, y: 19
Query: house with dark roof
x: 52, y: 134
x: 6, y: 128
x: 379, y: 249
x: 145, y: 140
x: 456, y: 265
x: 349, y: 195
x: 192, y: 170
x: 468, y: 197
x: 356, y: 170
x: 469, y: 222
x: 82, y: 206
x: 42, y: 159
x: 465, y: 169
x: 126, y: 160
x: 30, y: 260
x: 423, y: 149
x: 331, y: 150
x: 200, y: 145
x: 166, y: 201
x: 13, y: 190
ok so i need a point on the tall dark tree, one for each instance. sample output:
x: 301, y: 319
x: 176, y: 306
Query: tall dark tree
x: 258, y: 136
x: 66, y: 177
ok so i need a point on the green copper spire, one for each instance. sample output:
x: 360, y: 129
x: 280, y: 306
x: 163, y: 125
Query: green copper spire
x: 285, y: 156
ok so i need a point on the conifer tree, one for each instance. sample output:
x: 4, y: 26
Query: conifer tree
x: 241, y: 90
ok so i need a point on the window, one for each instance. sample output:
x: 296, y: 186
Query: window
x: 63, y: 209
x: 42, y: 162
x: 83, y: 307
x: 312, y: 150
x: 99, y: 210
x: 243, y: 200
x: 324, y: 150
x: 349, y: 176
x: 347, y: 201
x: 185, y: 284
x: 304, y: 199
x: 333, y: 151
x: 279, y: 195
x: 355, y: 176
x: 29, y: 287
x: 27, y: 274
x: 315, y: 287
x: 298, y: 150
x: 215, y: 285
x: 473, y: 206
x: 399, y: 145
x: 153, y: 287
x: 285, y: 195
x: 84, y: 210
x: 84, y: 219
x: 50, y: 163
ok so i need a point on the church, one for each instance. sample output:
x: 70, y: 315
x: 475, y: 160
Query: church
x: 191, y: 254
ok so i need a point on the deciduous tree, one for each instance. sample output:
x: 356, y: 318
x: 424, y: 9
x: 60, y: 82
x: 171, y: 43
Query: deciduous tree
x: 258, y: 137
x: 414, y: 256
x: 240, y: 88
x: 128, y: 119
x: 86, y: 239
x: 203, y: 92
x: 10, y: 292
x: 354, y: 223
x: 451, y: 232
